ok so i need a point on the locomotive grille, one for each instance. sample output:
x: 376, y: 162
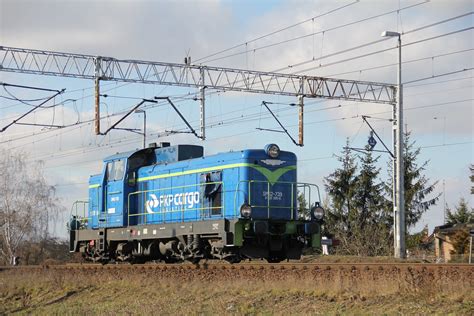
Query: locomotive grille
x: 277, y: 228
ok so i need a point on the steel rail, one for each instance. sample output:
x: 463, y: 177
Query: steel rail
x: 244, y: 266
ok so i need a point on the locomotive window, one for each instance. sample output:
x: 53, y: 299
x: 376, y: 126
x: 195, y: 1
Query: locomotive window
x: 119, y: 169
x: 212, y: 191
x: 110, y: 171
x: 115, y: 170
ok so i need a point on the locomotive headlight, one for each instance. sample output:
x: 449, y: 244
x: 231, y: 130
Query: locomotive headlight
x: 317, y: 211
x: 245, y: 210
x: 272, y: 150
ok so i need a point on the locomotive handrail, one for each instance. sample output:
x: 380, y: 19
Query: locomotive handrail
x: 182, y: 208
x: 268, y: 206
x: 203, y: 212
x: 311, y: 185
x: 83, y: 220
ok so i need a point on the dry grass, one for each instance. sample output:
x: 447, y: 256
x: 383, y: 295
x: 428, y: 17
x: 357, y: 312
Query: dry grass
x: 354, y: 259
x: 150, y: 292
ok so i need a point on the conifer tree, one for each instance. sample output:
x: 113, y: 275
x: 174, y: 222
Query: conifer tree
x: 372, y: 234
x: 369, y: 193
x: 417, y: 186
x: 462, y: 215
x: 355, y: 212
x: 340, y: 186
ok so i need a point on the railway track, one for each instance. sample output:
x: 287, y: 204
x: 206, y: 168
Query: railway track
x: 246, y: 266
x: 404, y: 277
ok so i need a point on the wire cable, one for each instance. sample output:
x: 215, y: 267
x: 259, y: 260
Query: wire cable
x: 316, y: 33
x: 277, y: 31
x: 404, y: 62
x: 375, y: 52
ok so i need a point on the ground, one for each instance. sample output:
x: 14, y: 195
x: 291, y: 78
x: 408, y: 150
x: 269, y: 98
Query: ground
x: 229, y: 291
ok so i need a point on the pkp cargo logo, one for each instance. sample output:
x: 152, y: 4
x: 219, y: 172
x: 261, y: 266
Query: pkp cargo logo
x: 171, y: 202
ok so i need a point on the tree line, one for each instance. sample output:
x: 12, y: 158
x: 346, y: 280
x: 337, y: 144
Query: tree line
x: 359, y: 209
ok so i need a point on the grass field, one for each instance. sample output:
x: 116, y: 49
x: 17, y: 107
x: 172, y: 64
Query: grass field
x: 50, y: 292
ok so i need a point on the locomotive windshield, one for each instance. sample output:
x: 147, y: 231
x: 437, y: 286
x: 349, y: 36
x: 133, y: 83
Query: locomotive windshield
x: 115, y: 170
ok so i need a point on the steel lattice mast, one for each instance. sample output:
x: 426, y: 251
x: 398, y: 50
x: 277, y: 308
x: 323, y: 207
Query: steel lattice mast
x: 99, y: 68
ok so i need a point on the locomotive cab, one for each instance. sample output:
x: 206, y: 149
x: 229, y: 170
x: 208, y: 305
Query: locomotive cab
x: 108, y: 191
x: 111, y: 202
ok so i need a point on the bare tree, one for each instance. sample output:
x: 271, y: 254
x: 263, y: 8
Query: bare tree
x: 27, y: 203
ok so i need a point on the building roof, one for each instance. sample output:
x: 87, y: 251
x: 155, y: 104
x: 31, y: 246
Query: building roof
x: 449, y: 229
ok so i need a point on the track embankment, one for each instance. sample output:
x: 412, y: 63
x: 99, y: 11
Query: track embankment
x: 246, y: 288
x: 410, y: 273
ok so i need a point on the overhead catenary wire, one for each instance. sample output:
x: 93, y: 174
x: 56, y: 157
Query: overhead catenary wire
x: 276, y: 31
x: 178, y: 97
x: 237, y: 118
x: 256, y: 39
x: 78, y: 124
x: 436, y: 82
x: 127, y: 140
x: 382, y: 50
x: 407, y: 86
x: 32, y: 110
x: 439, y: 75
x: 423, y: 27
x: 403, y: 62
x: 251, y: 132
x: 317, y: 33
x: 377, y: 51
x: 183, y: 95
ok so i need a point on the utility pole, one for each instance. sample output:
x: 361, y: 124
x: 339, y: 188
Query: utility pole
x: 401, y: 253
x: 399, y: 170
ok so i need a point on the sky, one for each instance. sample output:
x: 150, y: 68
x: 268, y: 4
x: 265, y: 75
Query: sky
x: 437, y: 57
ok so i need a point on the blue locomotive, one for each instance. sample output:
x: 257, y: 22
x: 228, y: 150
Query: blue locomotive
x: 172, y: 203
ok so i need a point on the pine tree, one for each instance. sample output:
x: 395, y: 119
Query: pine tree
x: 340, y: 187
x: 462, y: 215
x: 369, y: 194
x: 372, y: 232
x: 460, y: 241
x: 356, y: 215
x: 417, y: 186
